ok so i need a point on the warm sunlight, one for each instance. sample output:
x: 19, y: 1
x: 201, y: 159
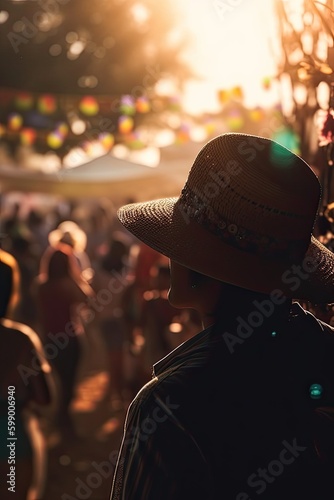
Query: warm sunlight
x: 232, y: 45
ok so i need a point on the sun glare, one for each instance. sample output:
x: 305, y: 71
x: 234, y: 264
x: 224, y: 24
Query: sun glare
x: 232, y: 44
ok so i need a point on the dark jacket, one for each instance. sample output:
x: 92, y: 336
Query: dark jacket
x: 215, y: 424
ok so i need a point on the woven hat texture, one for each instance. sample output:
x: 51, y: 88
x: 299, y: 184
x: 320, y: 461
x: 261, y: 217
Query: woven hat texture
x: 244, y: 216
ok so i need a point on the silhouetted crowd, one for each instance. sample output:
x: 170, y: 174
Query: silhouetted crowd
x: 78, y: 273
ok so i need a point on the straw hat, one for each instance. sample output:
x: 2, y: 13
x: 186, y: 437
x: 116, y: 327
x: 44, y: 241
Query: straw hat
x: 245, y: 216
x: 70, y: 233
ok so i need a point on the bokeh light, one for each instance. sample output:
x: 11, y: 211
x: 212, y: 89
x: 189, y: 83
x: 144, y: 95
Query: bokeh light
x: 28, y: 136
x: 89, y: 106
x: 54, y: 140
x: 24, y: 101
x: 15, y: 121
x: 47, y: 104
x: 125, y: 124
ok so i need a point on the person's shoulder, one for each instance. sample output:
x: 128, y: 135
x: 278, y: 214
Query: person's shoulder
x: 22, y: 332
x: 186, y: 369
x: 16, y: 328
x: 313, y: 340
x: 311, y: 322
x: 25, y: 338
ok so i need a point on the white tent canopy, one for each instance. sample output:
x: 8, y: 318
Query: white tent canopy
x: 107, y: 176
x: 103, y: 176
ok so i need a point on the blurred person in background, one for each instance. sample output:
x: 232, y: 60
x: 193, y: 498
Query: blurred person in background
x: 110, y: 283
x: 11, y: 225
x: 162, y: 326
x: 142, y: 259
x: 25, y: 385
x: 23, y: 250
x: 99, y: 226
x: 187, y: 324
x: 69, y: 233
x: 38, y: 226
x: 323, y: 231
x: 62, y: 301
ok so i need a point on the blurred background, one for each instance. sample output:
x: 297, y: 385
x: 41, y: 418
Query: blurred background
x: 104, y: 102
x: 149, y: 84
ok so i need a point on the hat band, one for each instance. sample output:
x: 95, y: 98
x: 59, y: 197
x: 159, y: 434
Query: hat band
x: 237, y: 236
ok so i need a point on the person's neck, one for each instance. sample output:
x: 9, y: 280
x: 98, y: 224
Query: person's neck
x: 236, y: 303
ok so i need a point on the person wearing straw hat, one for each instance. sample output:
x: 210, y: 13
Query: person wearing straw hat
x: 69, y: 233
x: 245, y: 407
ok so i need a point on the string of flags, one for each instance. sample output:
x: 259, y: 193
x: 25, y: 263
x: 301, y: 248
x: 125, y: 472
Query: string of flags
x: 46, y: 121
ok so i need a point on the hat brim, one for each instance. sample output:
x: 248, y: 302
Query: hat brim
x: 164, y: 227
x: 78, y: 236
